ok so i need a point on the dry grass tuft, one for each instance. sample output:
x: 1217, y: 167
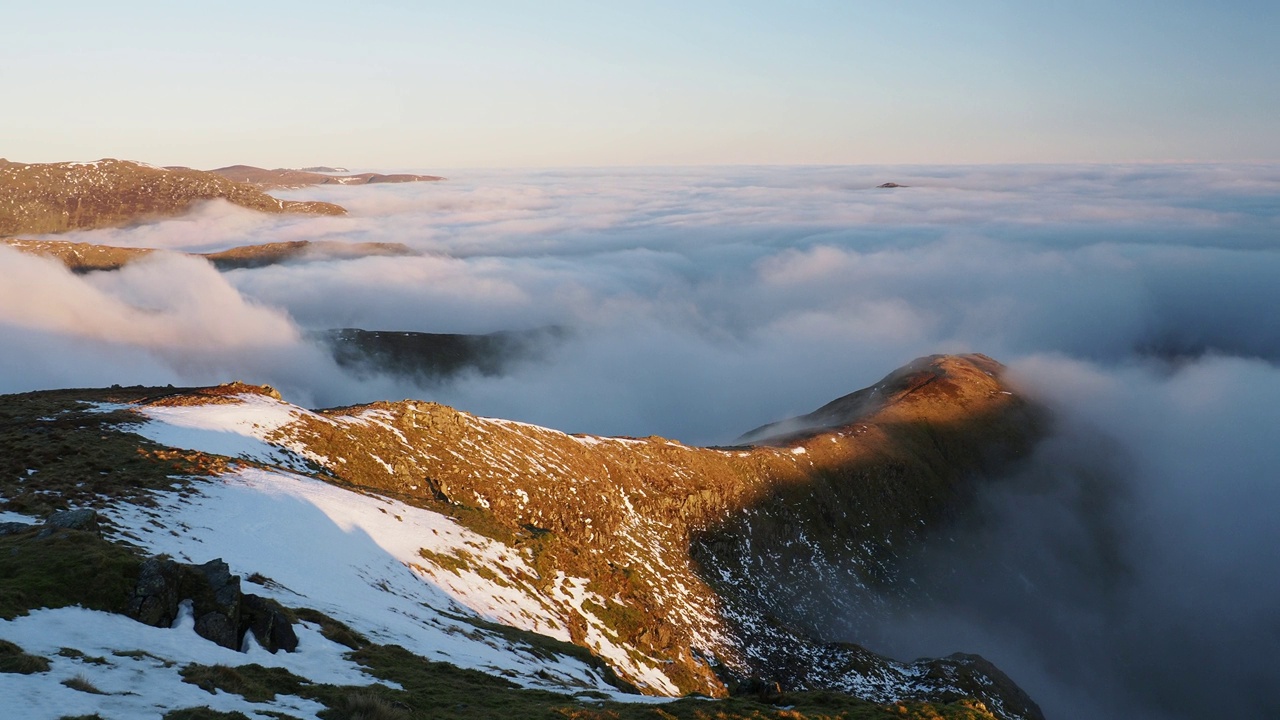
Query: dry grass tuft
x: 14, y: 660
x: 81, y: 683
x: 365, y: 705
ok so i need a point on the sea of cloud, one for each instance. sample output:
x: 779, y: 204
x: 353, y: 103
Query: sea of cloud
x: 1141, y: 302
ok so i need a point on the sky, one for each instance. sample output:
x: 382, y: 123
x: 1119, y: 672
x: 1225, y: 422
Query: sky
x: 436, y: 85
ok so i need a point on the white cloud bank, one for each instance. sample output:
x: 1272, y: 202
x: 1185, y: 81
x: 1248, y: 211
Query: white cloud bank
x: 1139, y: 300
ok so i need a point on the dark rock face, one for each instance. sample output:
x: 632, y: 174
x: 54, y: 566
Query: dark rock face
x: 155, y: 597
x: 269, y: 623
x: 222, y: 612
x: 218, y: 628
x: 222, y: 585
x: 10, y: 528
x: 215, y: 597
x: 74, y: 520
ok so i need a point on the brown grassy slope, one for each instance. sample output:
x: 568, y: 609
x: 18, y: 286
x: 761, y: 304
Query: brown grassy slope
x: 83, y: 257
x: 644, y: 521
x: 80, y: 257
x: 58, y: 451
x: 285, y: 178
x: 651, y: 522
x: 43, y: 198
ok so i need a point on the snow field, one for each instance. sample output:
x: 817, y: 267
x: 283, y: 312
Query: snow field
x: 145, y: 686
x: 363, y: 551
x: 349, y: 555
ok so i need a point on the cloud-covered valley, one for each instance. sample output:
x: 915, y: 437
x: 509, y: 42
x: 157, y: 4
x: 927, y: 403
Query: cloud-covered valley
x: 1140, y: 302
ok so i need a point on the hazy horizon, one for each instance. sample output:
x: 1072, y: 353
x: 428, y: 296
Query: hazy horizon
x: 570, y: 83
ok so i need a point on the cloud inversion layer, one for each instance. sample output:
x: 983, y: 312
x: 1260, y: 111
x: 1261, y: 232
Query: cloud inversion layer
x: 1139, y: 301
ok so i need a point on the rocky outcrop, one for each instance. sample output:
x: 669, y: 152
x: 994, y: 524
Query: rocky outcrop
x: 44, y: 198
x: 82, y: 519
x: 269, y: 623
x: 223, y: 614
x: 67, y: 561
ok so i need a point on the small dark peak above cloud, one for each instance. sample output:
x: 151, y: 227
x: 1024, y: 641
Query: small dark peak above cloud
x: 286, y: 178
x: 427, y: 359
x: 890, y: 185
x: 40, y: 198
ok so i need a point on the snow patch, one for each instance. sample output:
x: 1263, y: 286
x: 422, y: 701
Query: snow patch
x: 118, y: 640
x: 236, y: 429
x: 356, y: 557
x: 11, y: 516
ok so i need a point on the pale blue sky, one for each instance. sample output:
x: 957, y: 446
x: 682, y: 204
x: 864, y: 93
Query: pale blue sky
x: 554, y: 83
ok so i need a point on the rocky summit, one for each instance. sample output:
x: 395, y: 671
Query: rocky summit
x: 39, y: 198
x: 421, y: 539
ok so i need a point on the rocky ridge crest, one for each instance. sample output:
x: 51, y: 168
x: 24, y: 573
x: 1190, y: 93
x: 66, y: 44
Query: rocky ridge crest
x: 685, y: 569
x: 689, y: 564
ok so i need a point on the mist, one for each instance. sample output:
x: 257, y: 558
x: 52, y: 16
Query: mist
x: 1125, y: 572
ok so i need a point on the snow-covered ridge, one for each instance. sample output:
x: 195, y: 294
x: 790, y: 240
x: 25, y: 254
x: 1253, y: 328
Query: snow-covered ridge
x: 353, y: 557
x: 495, y: 582
x: 416, y: 524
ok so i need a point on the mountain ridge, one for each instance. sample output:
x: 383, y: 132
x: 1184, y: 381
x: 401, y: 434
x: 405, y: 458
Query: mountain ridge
x: 645, y: 551
x: 281, y: 178
x: 43, y: 198
x: 83, y: 257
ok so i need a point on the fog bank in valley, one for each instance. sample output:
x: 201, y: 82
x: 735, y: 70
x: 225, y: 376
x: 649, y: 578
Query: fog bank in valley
x: 1125, y: 570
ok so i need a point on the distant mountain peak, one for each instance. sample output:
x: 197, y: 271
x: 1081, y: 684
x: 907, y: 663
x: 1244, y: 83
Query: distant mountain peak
x: 286, y: 178
x: 39, y: 198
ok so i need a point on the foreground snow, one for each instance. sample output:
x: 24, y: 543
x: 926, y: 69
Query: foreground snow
x: 236, y: 429
x: 341, y: 549
x: 352, y: 556
x: 137, y: 667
